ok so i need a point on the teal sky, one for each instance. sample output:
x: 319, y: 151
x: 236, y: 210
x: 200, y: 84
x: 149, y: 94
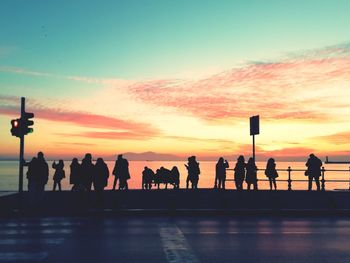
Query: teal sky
x: 158, y: 39
x: 179, y: 76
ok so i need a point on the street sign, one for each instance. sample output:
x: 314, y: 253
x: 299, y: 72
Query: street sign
x: 254, y: 125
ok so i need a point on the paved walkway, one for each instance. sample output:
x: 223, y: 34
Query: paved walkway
x: 175, y: 239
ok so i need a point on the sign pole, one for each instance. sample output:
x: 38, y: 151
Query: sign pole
x: 21, y: 149
x: 254, y: 147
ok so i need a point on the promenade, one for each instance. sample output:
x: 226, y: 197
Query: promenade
x: 181, y: 201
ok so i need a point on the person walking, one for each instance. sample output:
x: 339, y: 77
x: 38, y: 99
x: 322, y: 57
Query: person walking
x: 271, y: 173
x: 239, y: 174
x: 313, y: 171
x: 251, y: 178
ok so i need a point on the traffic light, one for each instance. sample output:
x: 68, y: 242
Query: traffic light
x: 27, y: 122
x: 16, y: 127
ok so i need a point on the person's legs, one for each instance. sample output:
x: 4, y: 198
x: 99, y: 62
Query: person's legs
x: 274, y: 183
x: 310, y: 183
x: 248, y: 186
x: 59, y: 186
x: 114, y: 182
x: 317, y: 180
x: 270, y: 181
x: 255, y: 185
x: 223, y: 184
x: 54, y: 186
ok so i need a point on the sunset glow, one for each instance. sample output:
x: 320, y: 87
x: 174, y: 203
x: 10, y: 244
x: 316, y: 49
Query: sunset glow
x: 170, y: 78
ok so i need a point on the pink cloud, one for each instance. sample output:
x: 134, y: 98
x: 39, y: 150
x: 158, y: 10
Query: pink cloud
x: 276, y: 90
x: 114, y: 125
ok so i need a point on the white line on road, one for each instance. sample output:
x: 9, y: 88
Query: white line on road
x: 31, y: 241
x: 19, y: 256
x: 175, y: 245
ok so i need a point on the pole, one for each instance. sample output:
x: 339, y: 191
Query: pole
x: 21, y: 148
x: 254, y: 147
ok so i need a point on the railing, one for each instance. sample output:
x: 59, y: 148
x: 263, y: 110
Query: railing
x: 290, y: 180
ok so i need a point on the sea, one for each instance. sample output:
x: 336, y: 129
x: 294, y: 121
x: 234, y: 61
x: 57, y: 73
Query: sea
x: 9, y: 175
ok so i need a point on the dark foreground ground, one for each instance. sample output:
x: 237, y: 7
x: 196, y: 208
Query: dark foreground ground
x: 177, y: 202
x: 175, y: 239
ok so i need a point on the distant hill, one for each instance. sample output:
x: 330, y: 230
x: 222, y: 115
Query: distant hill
x: 151, y: 156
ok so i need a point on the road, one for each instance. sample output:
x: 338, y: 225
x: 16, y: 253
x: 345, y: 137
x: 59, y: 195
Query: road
x: 175, y: 239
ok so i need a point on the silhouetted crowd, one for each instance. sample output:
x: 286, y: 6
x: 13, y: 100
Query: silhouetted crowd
x: 86, y: 175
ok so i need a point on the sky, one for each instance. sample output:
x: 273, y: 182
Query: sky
x: 177, y: 77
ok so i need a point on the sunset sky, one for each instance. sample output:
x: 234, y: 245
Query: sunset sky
x: 177, y: 77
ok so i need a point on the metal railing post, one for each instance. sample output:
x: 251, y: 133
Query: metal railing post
x: 323, y: 180
x: 289, y: 179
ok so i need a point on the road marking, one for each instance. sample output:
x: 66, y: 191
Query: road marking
x: 262, y: 232
x: 46, y: 241
x: 175, y: 245
x: 21, y: 256
x: 38, y: 231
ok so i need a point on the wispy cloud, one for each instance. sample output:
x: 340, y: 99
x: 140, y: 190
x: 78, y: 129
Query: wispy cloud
x: 290, y: 88
x: 124, y: 128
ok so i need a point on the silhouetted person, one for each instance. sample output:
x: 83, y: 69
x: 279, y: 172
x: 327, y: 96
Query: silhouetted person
x: 271, y: 172
x: 175, y: 177
x: 193, y: 172
x: 121, y: 172
x: 87, y: 171
x: 220, y: 175
x: 239, y: 174
x: 147, y: 178
x: 32, y: 175
x: 75, y: 175
x: 100, y: 178
x: 59, y: 175
x: 42, y: 171
x: 313, y: 171
x: 251, y: 177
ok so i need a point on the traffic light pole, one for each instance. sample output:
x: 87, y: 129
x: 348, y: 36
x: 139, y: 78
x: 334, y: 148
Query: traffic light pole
x: 21, y: 150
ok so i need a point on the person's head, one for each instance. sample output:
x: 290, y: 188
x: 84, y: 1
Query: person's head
x: 241, y: 159
x: 99, y: 160
x: 174, y: 168
x: 88, y: 157
x: 312, y: 155
x: 221, y: 160
x: 120, y: 156
x: 145, y: 168
x: 75, y: 160
x: 251, y: 160
x: 271, y: 160
x: 40, y: 155
x: 60, y: 162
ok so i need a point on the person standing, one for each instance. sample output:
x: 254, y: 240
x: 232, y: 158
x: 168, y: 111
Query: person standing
x: 87, y: 171
x: 271, y: 172
x: 42, y: 170
x: 193, y: 172
x: 59, y: 175
x: 220, y: 175
x: 75, y: 174
x: 251, y: 178
x: 100, y: 179
x: 240, y: 172
x: 121, y: 172
x: 313, y: 171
